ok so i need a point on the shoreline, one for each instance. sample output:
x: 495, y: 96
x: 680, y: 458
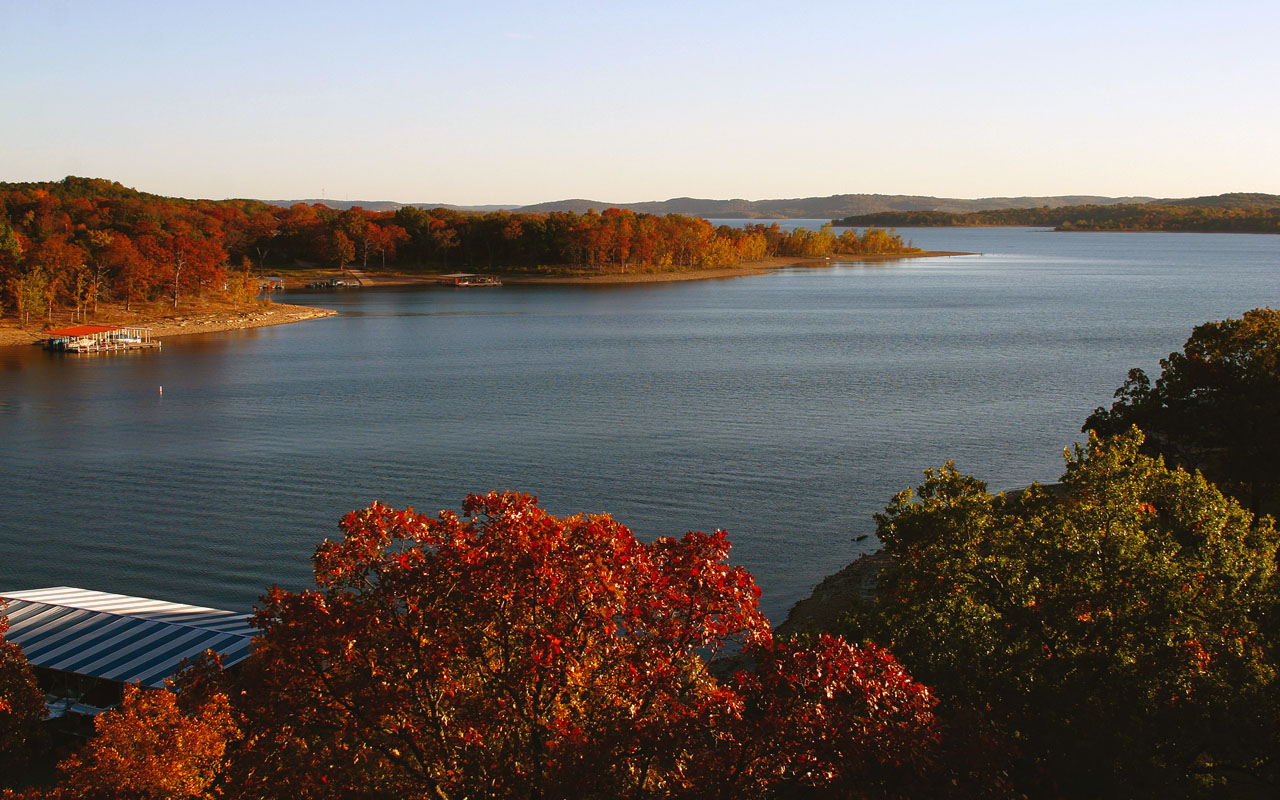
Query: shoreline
x: 168, y: 323
x: 186, y: 323
x: 368, y: 279
x: 754, y: 268
x: 824, y: 607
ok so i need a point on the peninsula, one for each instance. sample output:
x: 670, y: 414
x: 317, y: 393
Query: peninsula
x: 88, y: 250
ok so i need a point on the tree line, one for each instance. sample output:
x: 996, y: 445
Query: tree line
x: 79, y: 241
x: 1122, y: 217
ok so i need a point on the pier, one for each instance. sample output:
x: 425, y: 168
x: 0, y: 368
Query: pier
x: 98, y: 339
x: 469, y: 279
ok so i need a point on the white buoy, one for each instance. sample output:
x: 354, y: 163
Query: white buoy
x: 161, y: 390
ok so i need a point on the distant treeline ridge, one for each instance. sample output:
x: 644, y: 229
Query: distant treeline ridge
x: 1227, y: 217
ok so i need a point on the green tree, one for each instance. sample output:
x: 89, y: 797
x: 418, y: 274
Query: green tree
x: 29, y: 290
x: 242, y: 286
x: 10, y: 258
x: 1215, y: 407
x: 1115, y: 625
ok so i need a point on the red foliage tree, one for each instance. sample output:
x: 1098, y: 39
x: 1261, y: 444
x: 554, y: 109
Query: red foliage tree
x: 511, y: 653
x: 384, y: 239
x: 21, y: 705
x: 508, y: 654
x: 134, y: 276
x: 829, y: 719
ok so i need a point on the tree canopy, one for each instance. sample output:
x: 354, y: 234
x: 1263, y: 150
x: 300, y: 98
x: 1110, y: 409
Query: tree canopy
x: 511, y: 653
x: 21, y: 706
x: 1117, y: 626
x: 149, y: 748
x: 1215, y: 406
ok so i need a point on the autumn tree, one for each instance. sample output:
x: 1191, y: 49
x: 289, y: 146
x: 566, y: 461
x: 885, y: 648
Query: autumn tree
x: 511, y: 653
x: 58, y: 261
x: 21, y: 707
x: 499, y: 655
x: 1214, y: 407
x: 356, y: 223
x: 442, y: 238
x: 242, y: 286
x: 872, y: 241
x: 827, y: 719
x: 385, y: 239
x: 98, y: 246
x: 1117, y: 627
x: 187, y: 259
x: 261, y: 228
x: 133, y: 275
x: 150, y: 748
x: 341, y: 249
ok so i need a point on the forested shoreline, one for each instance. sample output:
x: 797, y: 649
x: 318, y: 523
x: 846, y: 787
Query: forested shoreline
x: 1228, y: 214
x: 77, y: 242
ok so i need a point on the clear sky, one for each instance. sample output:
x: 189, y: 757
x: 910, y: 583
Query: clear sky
x: 477, y: 102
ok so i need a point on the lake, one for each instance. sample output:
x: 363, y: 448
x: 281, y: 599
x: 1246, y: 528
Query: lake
x: 785, y: 408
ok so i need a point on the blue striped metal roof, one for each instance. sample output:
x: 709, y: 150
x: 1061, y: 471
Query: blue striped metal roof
x: 120, y: 638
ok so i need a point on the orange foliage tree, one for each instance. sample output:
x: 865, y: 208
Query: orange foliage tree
x: 149, y: 748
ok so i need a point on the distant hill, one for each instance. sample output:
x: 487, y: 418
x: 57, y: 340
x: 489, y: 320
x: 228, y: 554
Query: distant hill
x: 386, y: 205
x: 1229, y: 200
x: 837, y: 205
x: 915, y: 209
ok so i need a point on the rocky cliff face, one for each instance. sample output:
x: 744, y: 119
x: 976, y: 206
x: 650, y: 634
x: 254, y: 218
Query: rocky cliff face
x: 831, y: 598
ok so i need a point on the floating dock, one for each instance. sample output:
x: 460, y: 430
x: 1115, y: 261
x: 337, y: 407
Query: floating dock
x: 99, y: 339
x: 469, y: 279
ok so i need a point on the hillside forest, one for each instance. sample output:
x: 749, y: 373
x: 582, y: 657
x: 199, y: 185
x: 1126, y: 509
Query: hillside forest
x: 74, y: 243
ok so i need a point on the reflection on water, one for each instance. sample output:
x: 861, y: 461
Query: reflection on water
x: 785, y: 408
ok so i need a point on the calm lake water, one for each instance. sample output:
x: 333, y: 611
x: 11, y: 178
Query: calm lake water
x: 785, y: 408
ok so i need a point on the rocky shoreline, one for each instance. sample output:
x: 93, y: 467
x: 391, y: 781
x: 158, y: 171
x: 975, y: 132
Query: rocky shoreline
x: 832, y: 598
x: 426, y: 277
x: 165, y: 322
x: 168, y: 325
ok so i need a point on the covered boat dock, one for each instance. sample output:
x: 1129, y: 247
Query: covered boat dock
x: 99, y: 338
x: 469, y: 279
x: 86, y: 645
